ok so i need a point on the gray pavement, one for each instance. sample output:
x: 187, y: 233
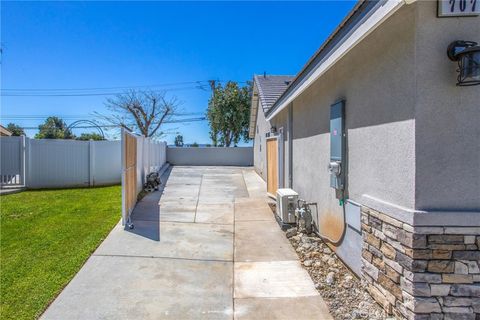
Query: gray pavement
x: 206, y: 246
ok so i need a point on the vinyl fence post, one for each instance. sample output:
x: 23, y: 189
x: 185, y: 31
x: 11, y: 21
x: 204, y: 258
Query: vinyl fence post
x: 23, y: 150
x: 91, y: 163
x: 123, y: 165
x: 28, y: 165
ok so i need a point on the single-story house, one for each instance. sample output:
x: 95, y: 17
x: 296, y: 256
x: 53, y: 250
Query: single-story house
x: 266, y: 90
x: 381, y: 130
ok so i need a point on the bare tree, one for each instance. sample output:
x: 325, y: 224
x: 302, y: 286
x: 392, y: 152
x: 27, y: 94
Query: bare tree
x: 142, y: 111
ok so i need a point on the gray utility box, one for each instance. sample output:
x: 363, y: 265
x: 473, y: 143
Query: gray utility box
x: 337, y: 145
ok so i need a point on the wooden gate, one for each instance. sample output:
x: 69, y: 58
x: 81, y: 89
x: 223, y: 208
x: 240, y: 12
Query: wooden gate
x: 272, y: 166
x: 129, y: 175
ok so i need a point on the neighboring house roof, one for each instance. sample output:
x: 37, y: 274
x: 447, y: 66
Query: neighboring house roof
x: 267, y: 90
x: 270, y: 88
x: 365, y: 17
x: 4, y: 131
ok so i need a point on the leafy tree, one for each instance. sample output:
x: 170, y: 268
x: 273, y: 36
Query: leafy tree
x: 179, y: 141
x: 91, y: 136
x: 194, y: 145
x: 15, y: 129
x: 54, y: 128
x: 228, y: 114
x: 141, y: 111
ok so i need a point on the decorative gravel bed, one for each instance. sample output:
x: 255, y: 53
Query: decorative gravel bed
x: 344, y: 293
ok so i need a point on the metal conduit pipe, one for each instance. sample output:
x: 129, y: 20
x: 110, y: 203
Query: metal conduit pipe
x: 316, y: 229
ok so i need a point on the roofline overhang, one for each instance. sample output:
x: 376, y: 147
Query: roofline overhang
x: 337, y: 46
x: 253, y: 112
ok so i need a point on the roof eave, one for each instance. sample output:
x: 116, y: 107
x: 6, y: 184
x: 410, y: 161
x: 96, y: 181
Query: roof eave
x: 305, y: 77
x: 253, y: 111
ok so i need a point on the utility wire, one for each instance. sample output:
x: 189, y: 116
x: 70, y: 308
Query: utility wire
x: 41, y: 117
x: 200, y: 87
x: 107, y: 88
x: 68, y: 92
x: 118, y: 126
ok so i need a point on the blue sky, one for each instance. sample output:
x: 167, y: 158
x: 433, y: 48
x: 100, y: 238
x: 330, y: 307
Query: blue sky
x: 75, y: 45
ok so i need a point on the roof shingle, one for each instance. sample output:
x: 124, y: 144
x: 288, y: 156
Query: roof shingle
x: 270, y: 88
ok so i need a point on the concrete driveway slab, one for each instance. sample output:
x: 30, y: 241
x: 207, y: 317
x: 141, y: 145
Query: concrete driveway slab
x: 252, y: 209
x: 177, y: 216
x: 151, y: 197
x: 255, y: 185
x: 120, y: 288
x: 304, y: 308
x: 177, y: 212
x: 193, y: 199
x: 277, y: 279
x: 182, y: 191
x: 205, y: 246
x: 145, y: 212
x: 221, y: 213
x: 175, y: 240
x: 261, y: 241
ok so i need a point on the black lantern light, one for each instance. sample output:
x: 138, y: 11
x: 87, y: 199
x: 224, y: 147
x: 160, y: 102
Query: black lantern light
x: 467, y: 54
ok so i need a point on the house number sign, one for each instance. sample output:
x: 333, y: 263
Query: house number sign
x: 458, y: 8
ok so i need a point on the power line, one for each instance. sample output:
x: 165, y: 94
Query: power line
x: 199, y: 87
x: 107, y: 88
x: 118, y: 126
x: 65, y: 117
x: 11, y: 92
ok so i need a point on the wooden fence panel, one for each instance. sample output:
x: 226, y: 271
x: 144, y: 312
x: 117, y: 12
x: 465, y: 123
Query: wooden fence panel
x: 129, y: 175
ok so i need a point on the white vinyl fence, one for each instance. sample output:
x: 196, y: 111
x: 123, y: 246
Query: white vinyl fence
x: 70, y: 163
x: 45, y: 163
x: 12, y: 161
x: 210, y: 156
x: 140, y: 156
x: 151, y: 156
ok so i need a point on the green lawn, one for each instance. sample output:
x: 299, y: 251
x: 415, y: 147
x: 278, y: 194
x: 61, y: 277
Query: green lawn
x: 46, y: 236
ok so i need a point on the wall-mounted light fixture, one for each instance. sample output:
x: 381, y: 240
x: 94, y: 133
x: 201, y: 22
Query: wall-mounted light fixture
x: 273, y: 130
x: 467, y: 54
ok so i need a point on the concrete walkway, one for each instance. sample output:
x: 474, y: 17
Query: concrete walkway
x: 214, y: 251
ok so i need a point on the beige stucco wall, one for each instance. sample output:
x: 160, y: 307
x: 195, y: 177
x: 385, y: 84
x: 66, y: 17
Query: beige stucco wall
x: 376, y: 79
x: 281, y: 123
x: 447, y: 117
x: 262, y: 126
x: 412, y: 135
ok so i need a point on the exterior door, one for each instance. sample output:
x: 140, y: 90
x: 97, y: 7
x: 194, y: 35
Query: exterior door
x: 272, y: 166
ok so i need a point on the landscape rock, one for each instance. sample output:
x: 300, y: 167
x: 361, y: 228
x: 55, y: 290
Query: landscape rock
x: 291, y: 232
x: 345, y: 294
x: 307, y: 263
x: 330, y: 279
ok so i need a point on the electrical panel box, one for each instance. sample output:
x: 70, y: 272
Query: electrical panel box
x: 337, y: 145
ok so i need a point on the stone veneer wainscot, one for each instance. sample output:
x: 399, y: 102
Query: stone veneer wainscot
x: 421, y: 272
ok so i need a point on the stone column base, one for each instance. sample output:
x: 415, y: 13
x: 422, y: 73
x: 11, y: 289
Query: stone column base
x: 421, y: 272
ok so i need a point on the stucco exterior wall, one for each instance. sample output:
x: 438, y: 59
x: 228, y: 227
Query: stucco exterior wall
x: 281, y: 123
x: 262, y: 126
x: 380, y: 127
x: 412, y: 161
x: 447, y: 117
x: 379, y: 94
